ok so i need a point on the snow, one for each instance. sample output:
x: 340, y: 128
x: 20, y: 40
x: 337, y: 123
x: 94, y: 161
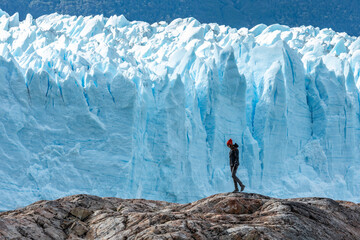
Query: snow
x: 110, y: 107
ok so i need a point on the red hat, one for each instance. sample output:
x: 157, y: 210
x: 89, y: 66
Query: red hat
x: 229, y: 142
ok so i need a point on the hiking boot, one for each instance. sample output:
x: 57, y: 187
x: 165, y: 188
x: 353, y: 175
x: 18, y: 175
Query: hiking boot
x: 242, y: 187
x: 236, y: 190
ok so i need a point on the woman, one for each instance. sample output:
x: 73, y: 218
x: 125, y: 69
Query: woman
x: 234, y: 163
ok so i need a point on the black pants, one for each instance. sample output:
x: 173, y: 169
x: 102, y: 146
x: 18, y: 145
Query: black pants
x: 235, y: 178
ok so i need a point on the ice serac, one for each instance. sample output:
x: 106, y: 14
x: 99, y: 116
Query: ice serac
x: 116, y: 108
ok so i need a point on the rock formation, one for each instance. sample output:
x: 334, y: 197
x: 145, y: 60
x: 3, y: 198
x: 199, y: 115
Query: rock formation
x: 221, y: 216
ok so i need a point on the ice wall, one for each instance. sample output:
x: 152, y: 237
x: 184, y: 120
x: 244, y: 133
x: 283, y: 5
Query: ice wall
x: 116, y: 108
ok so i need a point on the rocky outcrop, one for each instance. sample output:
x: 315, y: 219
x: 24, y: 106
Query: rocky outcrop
x: 221, y: 216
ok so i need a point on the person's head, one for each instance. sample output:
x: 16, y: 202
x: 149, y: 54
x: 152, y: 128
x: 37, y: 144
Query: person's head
x: 229, y: 143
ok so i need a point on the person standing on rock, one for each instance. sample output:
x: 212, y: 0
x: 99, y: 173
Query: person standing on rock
x: 234, y: 164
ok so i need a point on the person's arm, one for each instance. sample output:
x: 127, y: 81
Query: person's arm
x: 236, y: 162
x: 232, y: 158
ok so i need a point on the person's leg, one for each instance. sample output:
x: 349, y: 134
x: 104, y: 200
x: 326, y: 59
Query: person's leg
x: 236, y: 179
x: 233, y: 175
x: 235, y: 184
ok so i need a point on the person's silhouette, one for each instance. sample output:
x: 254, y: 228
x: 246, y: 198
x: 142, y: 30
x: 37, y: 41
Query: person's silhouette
x: 234, y: 164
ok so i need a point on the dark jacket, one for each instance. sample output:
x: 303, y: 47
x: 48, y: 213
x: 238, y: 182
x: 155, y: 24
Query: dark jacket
x: 234, y: 156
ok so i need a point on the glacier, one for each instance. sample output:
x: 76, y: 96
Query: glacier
x: 110, y: 107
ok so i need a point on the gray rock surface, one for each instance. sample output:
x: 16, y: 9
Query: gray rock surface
x: 221, y: 216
